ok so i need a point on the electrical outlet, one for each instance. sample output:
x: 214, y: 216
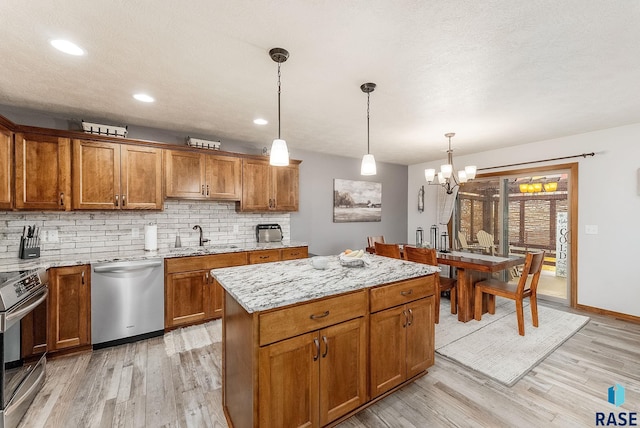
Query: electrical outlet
x: 236, y: 229
x: 135, y: 232
x: 52, y: 236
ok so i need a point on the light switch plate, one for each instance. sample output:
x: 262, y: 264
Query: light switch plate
x: 235, y: 228
x: 591, y: 229
x: 52, y: 235
x: 135, y: 232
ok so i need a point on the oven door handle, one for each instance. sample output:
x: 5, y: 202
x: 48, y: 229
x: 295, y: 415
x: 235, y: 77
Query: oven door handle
x: 24, y: 308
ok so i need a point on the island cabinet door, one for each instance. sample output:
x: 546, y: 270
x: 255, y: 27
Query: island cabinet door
x: 187, y: 298
x: 343, y: 369
x: 420, y: 335
x: 388, y: 334
x: 289, y: 382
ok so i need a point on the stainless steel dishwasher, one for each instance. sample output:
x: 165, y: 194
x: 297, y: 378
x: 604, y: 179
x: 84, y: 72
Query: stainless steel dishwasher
x: 127, y: 301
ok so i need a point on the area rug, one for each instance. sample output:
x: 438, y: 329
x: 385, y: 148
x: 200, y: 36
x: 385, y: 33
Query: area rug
x: 494, y: 347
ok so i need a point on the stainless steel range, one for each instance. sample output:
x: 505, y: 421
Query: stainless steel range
x: 20, y: 294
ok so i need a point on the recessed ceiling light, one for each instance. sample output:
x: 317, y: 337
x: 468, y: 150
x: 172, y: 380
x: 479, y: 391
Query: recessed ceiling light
x: 260, y: 121
x: 144, y: 98
x: 67, y: 47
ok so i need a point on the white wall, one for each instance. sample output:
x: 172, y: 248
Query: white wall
x: 608, y: 197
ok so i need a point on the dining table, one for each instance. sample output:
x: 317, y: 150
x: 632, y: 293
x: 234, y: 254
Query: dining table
x: 472, y: 268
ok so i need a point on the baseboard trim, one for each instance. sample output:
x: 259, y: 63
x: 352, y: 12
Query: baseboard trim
x: 618, y: 315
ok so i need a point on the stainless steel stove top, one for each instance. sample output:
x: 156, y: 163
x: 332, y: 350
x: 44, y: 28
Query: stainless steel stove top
x: 18, y: 286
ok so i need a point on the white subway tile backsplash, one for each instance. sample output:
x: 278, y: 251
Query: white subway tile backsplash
x: 79, y: 232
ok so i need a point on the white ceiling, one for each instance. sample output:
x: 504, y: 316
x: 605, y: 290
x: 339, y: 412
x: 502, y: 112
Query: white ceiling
x: 498, y: 73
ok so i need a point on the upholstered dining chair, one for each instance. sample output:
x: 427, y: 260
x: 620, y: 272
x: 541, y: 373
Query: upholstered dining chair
x: 371, y: 243
x: 387, y: 250
x: 428, y: 256
x: 485, y: 240
x: 527, y: 287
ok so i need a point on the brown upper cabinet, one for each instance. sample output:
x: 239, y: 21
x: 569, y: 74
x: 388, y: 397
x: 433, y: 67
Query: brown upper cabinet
x: 6, y: 159
x: 191, y: 175
x: 42, y: 171
x: 111, y: 176
x: 269, y: 188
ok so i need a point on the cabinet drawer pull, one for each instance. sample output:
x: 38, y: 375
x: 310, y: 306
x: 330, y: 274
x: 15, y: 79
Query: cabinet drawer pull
x: 407, y: 293
x: 326, y: 346
x: 264, y: 257
x: 117, y: 200
x: 410, y: 317
x: 406, y: 319
x: 124, y: 201
x: 62, y: 199
x: 322, y: 315
x: 316, y: 355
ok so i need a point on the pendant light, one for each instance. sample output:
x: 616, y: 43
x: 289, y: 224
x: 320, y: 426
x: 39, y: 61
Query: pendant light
x: 279, y: 152
x: 368, y: 166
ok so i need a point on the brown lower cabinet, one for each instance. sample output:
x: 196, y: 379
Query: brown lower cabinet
x: 191, y: 293
x: 326, y: 386
x: 402, y: 341
x: 69, y: 313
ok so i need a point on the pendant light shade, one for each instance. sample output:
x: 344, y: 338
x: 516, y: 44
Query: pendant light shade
x: 279, y: 153
x: 368, y: 166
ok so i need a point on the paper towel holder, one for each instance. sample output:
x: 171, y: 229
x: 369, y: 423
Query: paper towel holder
x: 150, y: 237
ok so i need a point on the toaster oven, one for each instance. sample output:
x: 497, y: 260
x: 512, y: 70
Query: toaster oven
x: 268, y: 233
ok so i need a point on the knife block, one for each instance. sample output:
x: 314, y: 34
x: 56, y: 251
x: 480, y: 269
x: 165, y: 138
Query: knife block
x: 28, y: 252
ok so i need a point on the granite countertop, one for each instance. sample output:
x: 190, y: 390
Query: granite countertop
x: 44, y: 261
x: 272, y: 285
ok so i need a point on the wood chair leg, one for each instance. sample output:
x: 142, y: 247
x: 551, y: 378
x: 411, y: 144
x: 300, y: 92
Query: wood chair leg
x: 477, y: 304
x: 533, y: 302
x: 491, y: 304
x: 520, y: 315
x: 437, y: 311
x: 454, y: 301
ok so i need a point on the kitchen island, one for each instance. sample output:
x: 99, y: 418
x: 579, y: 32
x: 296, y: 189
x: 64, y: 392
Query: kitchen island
x: 303, y: 346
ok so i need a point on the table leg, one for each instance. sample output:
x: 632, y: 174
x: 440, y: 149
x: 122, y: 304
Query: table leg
x: 466, y: 280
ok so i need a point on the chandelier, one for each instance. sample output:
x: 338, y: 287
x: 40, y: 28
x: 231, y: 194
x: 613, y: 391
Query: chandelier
x: 447, y: 177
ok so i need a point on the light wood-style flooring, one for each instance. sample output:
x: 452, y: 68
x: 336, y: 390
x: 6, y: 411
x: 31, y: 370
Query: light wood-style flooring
x: 174, y: 381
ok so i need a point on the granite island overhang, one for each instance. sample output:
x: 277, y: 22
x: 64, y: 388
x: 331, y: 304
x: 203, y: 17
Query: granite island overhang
x: 309, y: 346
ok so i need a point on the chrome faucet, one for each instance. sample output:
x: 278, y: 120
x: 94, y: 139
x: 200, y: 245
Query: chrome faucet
x: 202, y: 240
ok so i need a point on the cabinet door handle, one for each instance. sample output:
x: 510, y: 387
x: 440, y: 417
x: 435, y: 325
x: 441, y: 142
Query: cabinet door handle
x: 326, y: 346
x: 62, y: 199
x: 406, y: 319
x: 124, y: 201
x: 206, y: 277
x: 207, y: 190
x: 203, y: 190
x: 316, y: 355
x: 407, y: 293
x: 117, y: 200
x: 410, y: 317
x: 82, y: 275
x: 322, y: 315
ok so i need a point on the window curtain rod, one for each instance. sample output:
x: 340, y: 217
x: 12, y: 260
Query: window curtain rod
x: 583, y: 155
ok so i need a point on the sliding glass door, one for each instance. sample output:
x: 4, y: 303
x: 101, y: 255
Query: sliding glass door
x: 519, y: 212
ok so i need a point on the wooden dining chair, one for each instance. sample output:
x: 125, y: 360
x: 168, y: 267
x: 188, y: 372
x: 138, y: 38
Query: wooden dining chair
x: 428, y: 256
x: 387, y: 250
x: 371, y: 243
x: 527, y: 287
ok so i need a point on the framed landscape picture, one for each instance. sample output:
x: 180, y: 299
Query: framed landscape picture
x: 356, y: 201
